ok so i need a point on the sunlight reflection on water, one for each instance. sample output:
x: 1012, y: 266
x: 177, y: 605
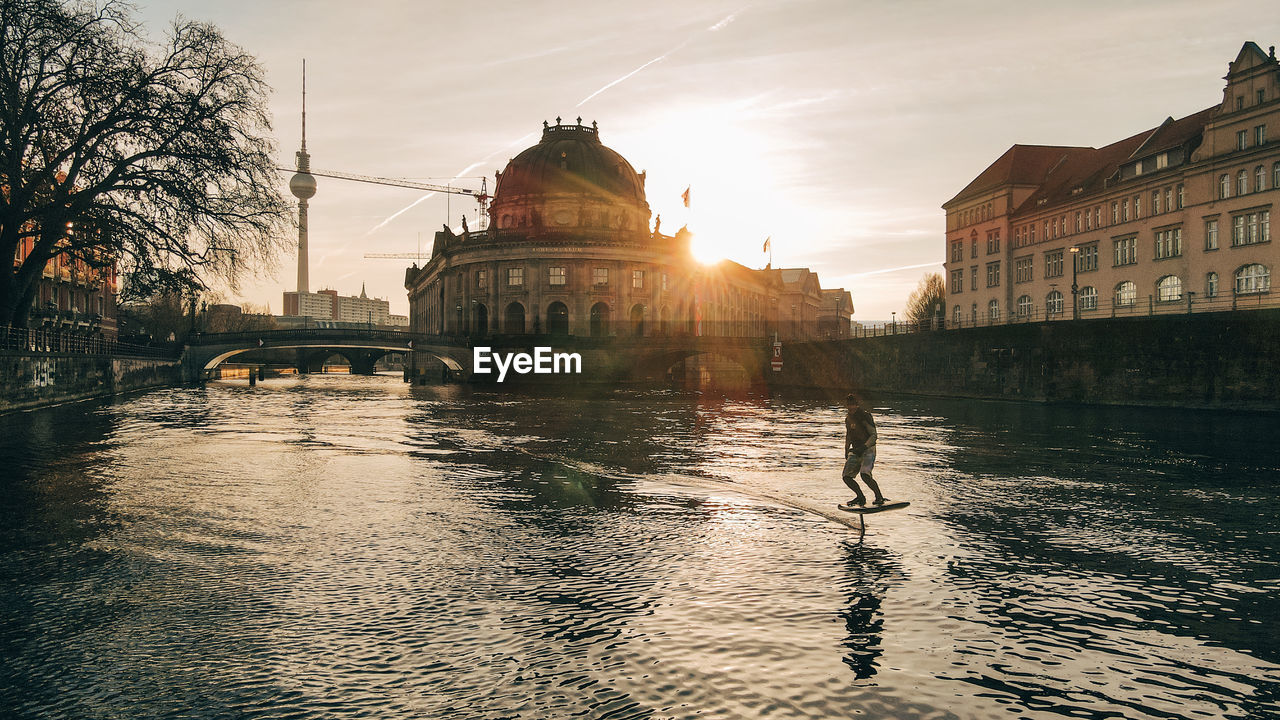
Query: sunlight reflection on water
x: 351, y: 547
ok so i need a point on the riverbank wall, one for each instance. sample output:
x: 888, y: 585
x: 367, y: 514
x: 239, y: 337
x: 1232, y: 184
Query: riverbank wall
x: 1228, y: 360
x: 31, y: 380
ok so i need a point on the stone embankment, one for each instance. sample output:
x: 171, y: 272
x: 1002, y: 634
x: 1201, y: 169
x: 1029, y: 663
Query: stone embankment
x: 1227, y: 360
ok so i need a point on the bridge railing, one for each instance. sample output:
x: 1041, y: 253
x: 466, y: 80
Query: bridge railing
x: 57, y: 342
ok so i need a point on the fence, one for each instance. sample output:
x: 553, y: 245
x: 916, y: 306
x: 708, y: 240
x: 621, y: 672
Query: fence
x: 40, y: 340
x: 1189, y: 303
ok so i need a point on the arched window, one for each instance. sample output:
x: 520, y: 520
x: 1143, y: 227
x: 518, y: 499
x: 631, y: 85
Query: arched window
x: 480, y: 321
x: 557, y: 318
x: 993, y: 310
x: 1024, y: 306
x: 1242, y: 182
x: 1052, y: 303
x: 973, y: 313
x: 1169, y: 288
x: 1253, y: 278
x: 1259, y: 179
x: 1126, y: 294
x: 1224, y: 186
x: 637, y: 320
x: 599, y: 320
x: 1275, y: 176
x: 513, y: 319
x: 1088, y: 298
x: 1211, y: 285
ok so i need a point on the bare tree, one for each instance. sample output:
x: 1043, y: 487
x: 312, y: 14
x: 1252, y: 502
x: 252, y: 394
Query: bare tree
x: 928, y: 302
x: 153, y: 157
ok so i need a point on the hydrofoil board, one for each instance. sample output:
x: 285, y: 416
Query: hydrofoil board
x: 868, y: 509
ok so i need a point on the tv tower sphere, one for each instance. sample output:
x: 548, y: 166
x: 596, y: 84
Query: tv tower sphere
x: 303, y: 185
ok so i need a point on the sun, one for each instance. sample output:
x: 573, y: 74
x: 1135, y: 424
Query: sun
x: 720, y: 155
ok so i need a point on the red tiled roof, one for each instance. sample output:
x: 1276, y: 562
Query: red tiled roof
x: 1019, y: 165
x: 1089, y: 170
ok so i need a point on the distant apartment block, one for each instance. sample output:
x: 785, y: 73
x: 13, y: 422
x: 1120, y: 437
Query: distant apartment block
x: 330, y: 306
x: 1174, y: 219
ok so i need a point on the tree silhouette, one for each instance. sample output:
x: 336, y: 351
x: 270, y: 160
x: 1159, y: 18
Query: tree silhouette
x: 928, y: 301
x: 152, y: 157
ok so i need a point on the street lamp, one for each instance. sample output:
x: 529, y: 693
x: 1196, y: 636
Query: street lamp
x: 893, y: 320
x: 1075, y: 289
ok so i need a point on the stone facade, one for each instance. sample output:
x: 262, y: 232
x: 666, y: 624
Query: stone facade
x: 568, y: 251
x: 1173, y: 219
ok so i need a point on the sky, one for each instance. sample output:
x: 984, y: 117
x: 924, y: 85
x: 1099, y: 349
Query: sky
x: 837, y: 128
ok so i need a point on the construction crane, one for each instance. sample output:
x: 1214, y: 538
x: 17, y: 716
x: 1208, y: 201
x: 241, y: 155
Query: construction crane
x: 482, y: 197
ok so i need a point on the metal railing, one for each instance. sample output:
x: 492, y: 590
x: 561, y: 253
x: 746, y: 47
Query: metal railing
x: 59, y: 342
x: 1189, y: 303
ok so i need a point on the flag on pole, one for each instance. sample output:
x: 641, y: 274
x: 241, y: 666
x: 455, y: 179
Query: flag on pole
x: 685, y: 195
x: 767, y: 242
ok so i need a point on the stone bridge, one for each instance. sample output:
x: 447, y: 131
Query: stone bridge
x: 433, y: 358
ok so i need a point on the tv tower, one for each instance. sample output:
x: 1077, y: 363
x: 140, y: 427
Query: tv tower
x: 303, y: 187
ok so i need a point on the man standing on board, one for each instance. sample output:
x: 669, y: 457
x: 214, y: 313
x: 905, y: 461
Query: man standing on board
x: 859, y: 450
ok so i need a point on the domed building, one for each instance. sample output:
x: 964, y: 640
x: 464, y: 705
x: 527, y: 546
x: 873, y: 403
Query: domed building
x: 569, y: 251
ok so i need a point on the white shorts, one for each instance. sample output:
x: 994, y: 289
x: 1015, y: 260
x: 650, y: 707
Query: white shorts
x: 860, y: 464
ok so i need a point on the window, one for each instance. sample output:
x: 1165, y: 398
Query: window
x: 1052, y: 303
x: 1224, y: 187
x: 556, y: 276
x: 1262, y: 96
x: 1211, y: 285
x: 482, y: 279
x: 1251, y: 228
x: 1052, y: 264
x: 1088, y: 258
x: 993, y: 310
x: 599, y: 276
x: 1182, y: 197
x: 1242, y: 139
x: 957, y: 250
x: 1155, y: 202
x: 664, y: 280
x: 1126, y: 294
x: 1088, y: 219
x: 1078, y: 219
x: 957, y: 281
x: 1211, y: 234
x: 1275, y: 176
x: 1124, y: 210
x: 973, y: 313
x: 975, y: 247
x: 1022, y: 270
x: 1126, y: 251
x: 955, y: 317
x: 1259, y: 179
x: 1137, y: 207
x: 1242, y: 182
x: 1260, y: 135
x: 973, y: 277
x: 1024, y: 306
x: 637, y: 279
x: 993, y: 274
x: 515, y: 277
x: 1168, y: 243
x: 1097, y: 216
x: 1088, y: 298
x: 1169, y: 288
x: 1033, y: 234
x: 1115, y: 212
x: 1252, y: 279
x: 1162, y: 161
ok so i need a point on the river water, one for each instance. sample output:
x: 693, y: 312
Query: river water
x: 340, y: 547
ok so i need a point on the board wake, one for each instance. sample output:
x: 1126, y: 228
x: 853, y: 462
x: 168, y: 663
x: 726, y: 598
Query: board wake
x: 869, y: 509
x: 702, y: 483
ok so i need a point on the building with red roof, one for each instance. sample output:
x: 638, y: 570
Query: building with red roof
x: 1173, y: 219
